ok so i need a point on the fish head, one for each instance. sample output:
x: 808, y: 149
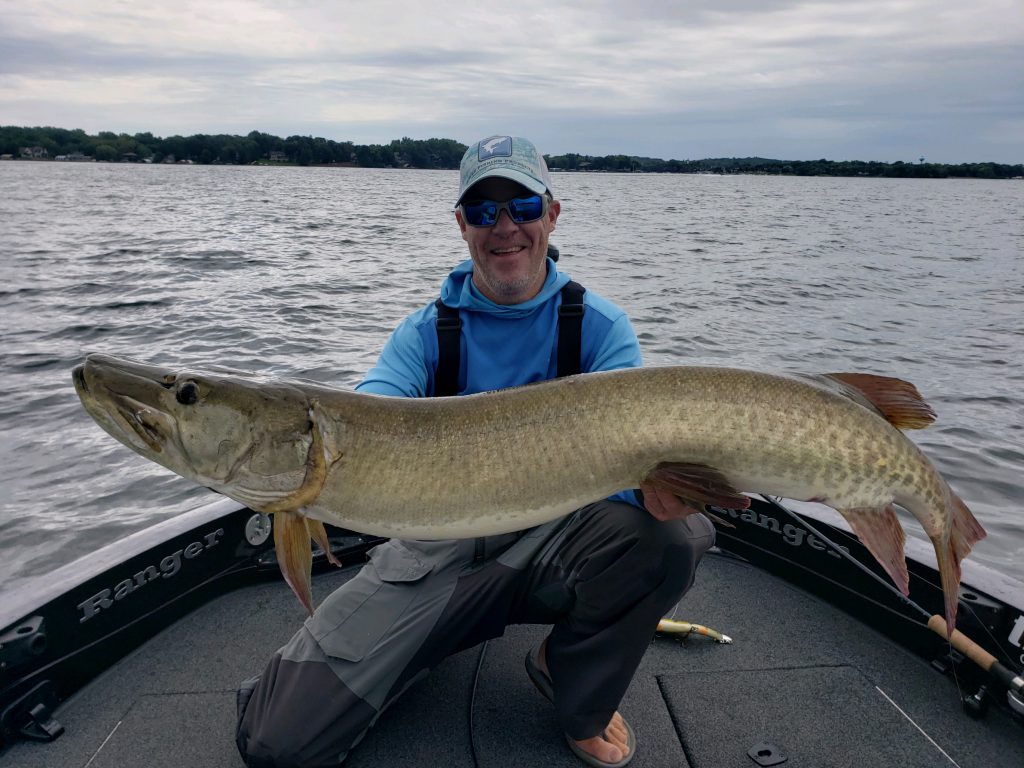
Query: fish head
x: 236, y: 433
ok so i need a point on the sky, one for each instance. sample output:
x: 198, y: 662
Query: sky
x: 879, y: 80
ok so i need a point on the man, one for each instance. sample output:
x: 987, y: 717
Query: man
x: 602, y: 576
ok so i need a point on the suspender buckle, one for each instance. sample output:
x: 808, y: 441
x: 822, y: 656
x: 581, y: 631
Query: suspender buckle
x: 570, y: 310
x: 449, y: 323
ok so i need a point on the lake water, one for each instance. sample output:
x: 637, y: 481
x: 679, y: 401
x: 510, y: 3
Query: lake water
x: 304, y: 271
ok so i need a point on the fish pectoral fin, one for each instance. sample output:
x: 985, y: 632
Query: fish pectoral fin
x: 697, y: 484
x: 880, y: 531
x: 898, y: 401
x: 318, y: 464
x: 319, y: 534
x: 295, y: 555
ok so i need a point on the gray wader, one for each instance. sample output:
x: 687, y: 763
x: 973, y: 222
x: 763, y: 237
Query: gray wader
x: 602, y: 576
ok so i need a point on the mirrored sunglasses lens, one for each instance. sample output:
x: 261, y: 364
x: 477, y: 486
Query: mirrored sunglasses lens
x: 523, y: 209
x: 482, y: 214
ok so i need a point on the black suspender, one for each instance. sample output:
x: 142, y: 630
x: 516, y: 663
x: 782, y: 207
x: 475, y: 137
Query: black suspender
x: 570, y: 329
x: 449, y: 332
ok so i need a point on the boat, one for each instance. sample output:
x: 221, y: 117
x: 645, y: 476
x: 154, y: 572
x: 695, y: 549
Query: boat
x: 131, y: 656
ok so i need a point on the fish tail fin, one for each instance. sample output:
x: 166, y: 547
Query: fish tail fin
x: 965, y: 532
x: 295, y: 555
x: 880, y: 531
x: 319, y: 534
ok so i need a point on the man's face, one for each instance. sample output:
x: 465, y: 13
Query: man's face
x: 509, y: 264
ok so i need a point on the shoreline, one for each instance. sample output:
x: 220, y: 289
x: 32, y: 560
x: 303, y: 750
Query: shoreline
x: 604, y: 171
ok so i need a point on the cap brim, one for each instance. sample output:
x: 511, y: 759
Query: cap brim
x: 537, y: 187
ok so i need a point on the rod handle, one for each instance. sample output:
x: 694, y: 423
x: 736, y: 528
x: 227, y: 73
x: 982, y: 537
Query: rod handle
x: 1010, y: 679
x: 963, y: 643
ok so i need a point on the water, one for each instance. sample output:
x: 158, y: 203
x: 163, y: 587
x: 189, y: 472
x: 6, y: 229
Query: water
x: 305, y: 271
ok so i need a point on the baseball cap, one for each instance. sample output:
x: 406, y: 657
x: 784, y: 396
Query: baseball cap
x: 509, y: 157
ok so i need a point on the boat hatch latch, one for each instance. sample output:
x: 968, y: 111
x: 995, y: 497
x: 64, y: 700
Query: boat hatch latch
x: 766, y: 754
x: 1016, y: 703
x: 22, y: 642
x: 31, y: 715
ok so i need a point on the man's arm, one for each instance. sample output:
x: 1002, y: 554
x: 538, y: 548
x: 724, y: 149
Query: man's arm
x: 619, y: 348
x: 401, y: 369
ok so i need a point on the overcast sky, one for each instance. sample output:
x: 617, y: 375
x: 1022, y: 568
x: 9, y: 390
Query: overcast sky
x: 874, y: 80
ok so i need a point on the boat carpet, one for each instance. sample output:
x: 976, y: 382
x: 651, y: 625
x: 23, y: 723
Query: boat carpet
x: 802, y: 681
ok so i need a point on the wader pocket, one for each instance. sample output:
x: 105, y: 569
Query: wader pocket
x: 353, y: 619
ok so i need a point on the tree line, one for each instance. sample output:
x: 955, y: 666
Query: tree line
x: 761, y: 165
x: 207, y: 149
x: 257, y: 147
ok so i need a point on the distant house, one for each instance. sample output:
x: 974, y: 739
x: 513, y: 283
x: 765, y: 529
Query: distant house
x: 35, y: 153
x: 278, y: 157
x: 168, y: 159
x: 6, y: 157
x: 129, y: 157
x: 75, y: 157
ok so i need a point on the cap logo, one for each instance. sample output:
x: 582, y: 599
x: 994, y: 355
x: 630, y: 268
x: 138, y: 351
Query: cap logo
x: 496, y: 146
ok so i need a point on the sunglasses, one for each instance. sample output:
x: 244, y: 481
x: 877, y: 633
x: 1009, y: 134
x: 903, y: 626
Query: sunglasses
x: 484, y: 213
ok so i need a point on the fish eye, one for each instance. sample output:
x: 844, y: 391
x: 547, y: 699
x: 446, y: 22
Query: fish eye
x: 187, y: 393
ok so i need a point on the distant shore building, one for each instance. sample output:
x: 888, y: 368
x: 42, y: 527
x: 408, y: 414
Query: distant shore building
x: 277, y: 157
x: 34, y: 153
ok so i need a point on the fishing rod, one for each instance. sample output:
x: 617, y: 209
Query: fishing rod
x: 1010, y: 679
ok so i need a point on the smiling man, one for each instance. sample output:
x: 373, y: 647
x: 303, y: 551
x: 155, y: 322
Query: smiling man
x: 509, y: 257
x: 601, y: 576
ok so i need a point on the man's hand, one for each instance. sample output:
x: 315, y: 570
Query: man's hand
x: 665, y: 505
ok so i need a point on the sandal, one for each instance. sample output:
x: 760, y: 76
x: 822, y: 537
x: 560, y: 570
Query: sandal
x: 542, y: 682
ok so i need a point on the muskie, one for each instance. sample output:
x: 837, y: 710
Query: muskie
x: 502, y: 461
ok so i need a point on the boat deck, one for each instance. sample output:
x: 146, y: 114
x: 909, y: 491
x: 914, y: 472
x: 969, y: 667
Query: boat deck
x: 817, y: 685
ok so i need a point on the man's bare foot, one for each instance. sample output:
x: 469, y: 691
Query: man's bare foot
x: 612, y: 746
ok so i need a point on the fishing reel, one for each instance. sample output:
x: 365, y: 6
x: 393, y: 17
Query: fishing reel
x: 976, y: 706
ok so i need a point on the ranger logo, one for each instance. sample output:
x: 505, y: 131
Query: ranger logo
x: 167, y: 568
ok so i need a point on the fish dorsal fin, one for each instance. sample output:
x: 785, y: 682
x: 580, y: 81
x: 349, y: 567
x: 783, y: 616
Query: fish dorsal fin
x: 898, y: 401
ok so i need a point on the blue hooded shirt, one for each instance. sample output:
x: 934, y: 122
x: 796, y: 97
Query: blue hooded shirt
x: 501, y: 345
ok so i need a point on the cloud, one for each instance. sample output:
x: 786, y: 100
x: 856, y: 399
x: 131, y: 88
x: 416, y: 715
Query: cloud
x: 848, y: 79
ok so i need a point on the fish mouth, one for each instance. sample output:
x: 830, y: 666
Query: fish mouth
x: 149, y: 425
x: 123, y: 397
x: 78, y: 377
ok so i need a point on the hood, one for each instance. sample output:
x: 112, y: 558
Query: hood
x: 459, y: 292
